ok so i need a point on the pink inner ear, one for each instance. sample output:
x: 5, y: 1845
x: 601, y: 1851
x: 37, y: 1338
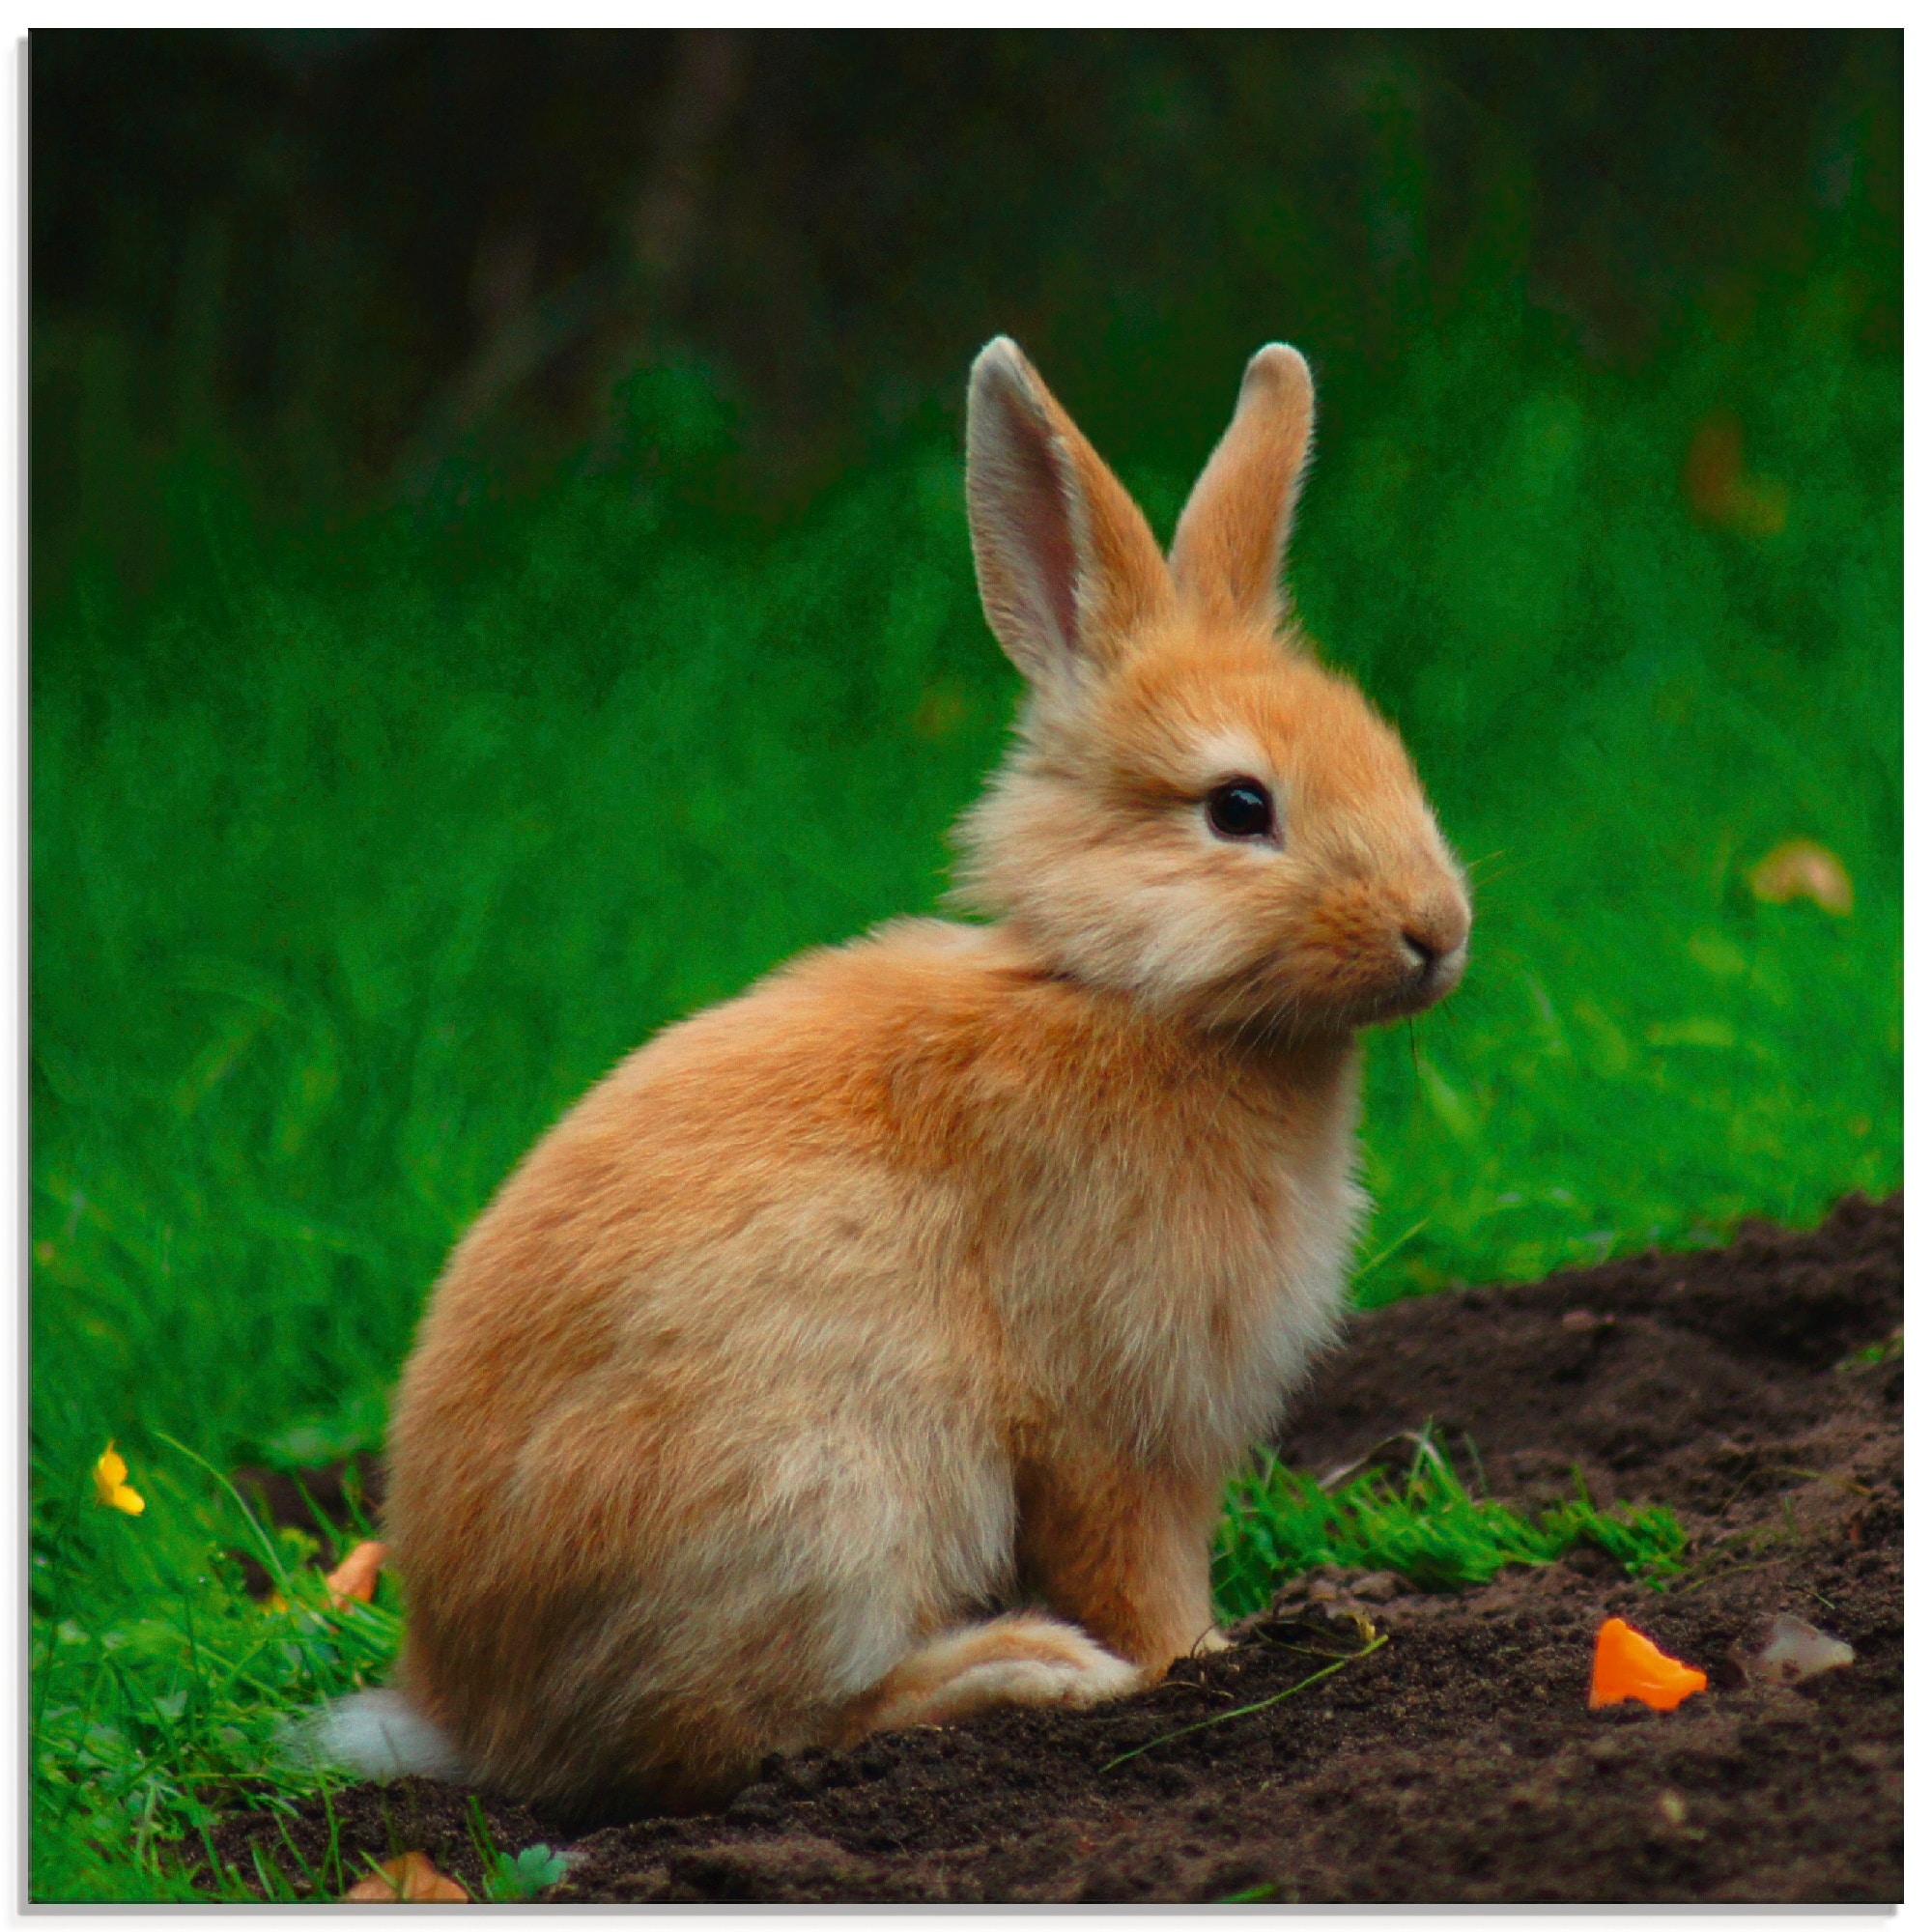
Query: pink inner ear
x: 1037, y: 492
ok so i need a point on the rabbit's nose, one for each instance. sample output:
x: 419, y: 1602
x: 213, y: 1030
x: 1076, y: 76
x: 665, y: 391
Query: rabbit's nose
x: 1424, y: 946
x: 1436, y: 971
x: 1436, y: 939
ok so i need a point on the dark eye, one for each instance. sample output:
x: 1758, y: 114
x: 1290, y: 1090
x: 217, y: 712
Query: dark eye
x: 1241, y: 808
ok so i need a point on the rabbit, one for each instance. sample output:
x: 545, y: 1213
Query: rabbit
x: 872, y: 1350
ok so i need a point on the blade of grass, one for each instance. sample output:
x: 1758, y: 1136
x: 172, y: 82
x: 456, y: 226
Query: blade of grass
x: 1248, y: 1710
x: 270, y: 1555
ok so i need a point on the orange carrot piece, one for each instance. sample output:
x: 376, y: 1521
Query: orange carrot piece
x: 1629, y: 1665
x: 355, y: 1575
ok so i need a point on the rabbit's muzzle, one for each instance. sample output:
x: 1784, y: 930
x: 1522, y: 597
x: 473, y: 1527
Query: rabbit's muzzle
x: 1431, y: 951
x: 1435, y: 974
x: 1379, y: 948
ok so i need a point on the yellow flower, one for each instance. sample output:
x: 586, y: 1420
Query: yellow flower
x: 110, y: 1484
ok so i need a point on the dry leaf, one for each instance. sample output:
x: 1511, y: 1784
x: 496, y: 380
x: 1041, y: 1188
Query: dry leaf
x: 355, y: 1575
x: 1800, y: 870
x: 1718, y: 487
x: 410, y: 1880
x: 940, y: 711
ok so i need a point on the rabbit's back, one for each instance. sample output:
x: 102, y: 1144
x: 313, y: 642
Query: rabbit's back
x: 900, y: 1146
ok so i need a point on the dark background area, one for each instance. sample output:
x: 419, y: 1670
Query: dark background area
x: 358, y: 266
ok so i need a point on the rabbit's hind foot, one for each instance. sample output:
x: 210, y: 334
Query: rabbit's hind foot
x: 1021, y: 1659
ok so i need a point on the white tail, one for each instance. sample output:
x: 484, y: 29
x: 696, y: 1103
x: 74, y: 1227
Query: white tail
x: 380, y: 1734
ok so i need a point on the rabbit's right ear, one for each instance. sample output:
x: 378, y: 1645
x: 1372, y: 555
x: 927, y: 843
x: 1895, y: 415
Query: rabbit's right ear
x: 1067, y: 567
x: 1229, y: 542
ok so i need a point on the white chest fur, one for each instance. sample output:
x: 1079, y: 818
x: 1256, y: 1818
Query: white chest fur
x: 1171, y: 1310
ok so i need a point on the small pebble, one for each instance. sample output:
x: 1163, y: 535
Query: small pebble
x: 1798, y: 1650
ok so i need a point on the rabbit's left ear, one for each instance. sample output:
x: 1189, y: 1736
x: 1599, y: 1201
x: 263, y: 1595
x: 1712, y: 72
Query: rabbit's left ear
x: 1227, y: 546
x: 1069, y: 570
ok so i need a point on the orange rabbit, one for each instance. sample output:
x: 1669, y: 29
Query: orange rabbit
x: 873, y: 1348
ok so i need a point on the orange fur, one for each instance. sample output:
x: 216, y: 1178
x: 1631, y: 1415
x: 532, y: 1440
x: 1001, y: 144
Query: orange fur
x: 948, y: 1271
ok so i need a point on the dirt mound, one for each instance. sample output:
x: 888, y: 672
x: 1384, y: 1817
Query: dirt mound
x: 1753, y: 1389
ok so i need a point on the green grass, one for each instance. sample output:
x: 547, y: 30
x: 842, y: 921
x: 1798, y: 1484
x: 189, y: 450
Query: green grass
x: 160, y: 1690
x: 359, y: 854
x: 1426, y: 1527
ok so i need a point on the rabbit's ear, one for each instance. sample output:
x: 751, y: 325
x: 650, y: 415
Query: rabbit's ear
x: 1066, y: 564
x: 1228, y: 543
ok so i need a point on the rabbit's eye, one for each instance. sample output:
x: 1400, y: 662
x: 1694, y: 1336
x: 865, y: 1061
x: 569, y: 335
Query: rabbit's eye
x: 1241, y: 808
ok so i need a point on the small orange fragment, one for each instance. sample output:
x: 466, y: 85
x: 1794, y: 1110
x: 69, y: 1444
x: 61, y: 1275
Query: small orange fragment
x: 355, y: 1575
x: 410, y: 1880
x: 1629, y: 1665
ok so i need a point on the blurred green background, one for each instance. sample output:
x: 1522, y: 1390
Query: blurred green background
x: 500, y: 582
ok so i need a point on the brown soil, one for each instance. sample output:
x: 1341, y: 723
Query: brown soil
x: 1458, y: 1761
